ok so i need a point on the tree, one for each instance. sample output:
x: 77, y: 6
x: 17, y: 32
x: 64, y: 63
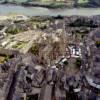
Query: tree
x: 97, y: 44
x: 12, y: 30
x: 65, y: 62
x: 78, y: 62
x: 35, y: 50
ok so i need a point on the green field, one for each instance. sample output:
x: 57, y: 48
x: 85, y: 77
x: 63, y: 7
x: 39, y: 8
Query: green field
x: 14, y: 0
x: 79, y: 1
x: 83, y: 1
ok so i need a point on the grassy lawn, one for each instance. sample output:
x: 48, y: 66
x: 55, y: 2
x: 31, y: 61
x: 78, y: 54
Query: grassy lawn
x: 83, y: 1
x: 17, y: 0
x: 19, y: 45
x: 79, y: 36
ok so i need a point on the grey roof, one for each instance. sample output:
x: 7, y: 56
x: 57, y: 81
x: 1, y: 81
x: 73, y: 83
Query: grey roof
x: 97, y: 34
x: 29, y: 59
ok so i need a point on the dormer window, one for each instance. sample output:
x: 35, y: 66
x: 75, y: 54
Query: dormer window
x: 97, y: 59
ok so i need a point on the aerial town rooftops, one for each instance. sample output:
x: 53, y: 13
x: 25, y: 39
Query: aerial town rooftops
x: 92, y: 83
x: 7, y: 70
x: 93, y: 79
x: 75, y: 51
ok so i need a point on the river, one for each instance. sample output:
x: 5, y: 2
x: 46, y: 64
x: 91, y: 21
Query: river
x: 35, y: 11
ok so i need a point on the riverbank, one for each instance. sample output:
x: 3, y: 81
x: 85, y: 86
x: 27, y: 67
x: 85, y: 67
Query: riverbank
x: 49, y: 6
x: 3, y: 18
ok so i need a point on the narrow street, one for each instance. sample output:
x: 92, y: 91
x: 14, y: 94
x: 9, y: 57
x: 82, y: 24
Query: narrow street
x: 12, y: 88
x: 13, y: 84
x: 46, y: 93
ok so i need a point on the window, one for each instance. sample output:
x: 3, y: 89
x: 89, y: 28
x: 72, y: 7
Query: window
x: 97, y: 59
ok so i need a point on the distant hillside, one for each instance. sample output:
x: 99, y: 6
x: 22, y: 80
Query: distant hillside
x: 55, y: 3
x: 95, y: 2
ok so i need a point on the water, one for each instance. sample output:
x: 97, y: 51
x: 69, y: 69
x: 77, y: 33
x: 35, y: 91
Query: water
x: 35, y: 11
